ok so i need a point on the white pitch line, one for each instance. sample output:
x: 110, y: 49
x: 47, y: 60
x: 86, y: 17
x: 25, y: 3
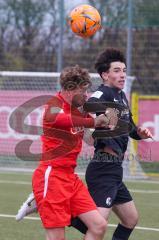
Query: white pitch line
x: 13, y: 216
x: 82, y: 174
x: 29, y: 172
x: 110, y: 225
x: 29, y: 183
x: 139, y: 228
x: 15, y: 182
x: 142, y: 181
x: 143, y: 191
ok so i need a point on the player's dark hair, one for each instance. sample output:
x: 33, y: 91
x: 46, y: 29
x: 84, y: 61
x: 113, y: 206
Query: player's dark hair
x: 104, y: 60
x: 72, y: 77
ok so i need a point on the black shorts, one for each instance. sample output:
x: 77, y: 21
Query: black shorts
x: 104, y: 181
x: 110, y: 194
x: 113, y: 193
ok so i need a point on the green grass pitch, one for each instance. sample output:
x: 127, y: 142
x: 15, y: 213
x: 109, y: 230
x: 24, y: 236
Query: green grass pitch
x: 15, y: 187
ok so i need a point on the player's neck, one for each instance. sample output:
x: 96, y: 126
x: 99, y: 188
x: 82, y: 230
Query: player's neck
x: 66, y: 96
x: 110, y: 86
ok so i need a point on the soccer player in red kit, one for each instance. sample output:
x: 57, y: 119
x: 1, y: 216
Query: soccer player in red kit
x: 58, y: 191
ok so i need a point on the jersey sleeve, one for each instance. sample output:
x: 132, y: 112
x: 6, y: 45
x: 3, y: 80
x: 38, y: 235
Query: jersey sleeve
x: 133, y: 134
x: 61, y: 120
x: 98, y: 97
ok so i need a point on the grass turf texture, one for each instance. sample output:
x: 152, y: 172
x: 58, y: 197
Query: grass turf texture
x: 15, y: 187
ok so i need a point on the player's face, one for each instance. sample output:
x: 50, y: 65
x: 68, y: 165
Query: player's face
x: 116, y: 75
x: 79, y: 96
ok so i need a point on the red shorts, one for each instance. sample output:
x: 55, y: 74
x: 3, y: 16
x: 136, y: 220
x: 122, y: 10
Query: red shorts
x: 60, y: 195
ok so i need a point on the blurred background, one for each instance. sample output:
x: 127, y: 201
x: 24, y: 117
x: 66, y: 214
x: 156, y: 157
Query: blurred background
x: 34, y: 36
x: 35, y: 44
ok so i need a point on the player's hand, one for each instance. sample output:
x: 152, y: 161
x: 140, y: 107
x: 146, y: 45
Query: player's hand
x: 144, y: 133
x: 107, y: 120
x: 101, y: 121
x: 112, y: 116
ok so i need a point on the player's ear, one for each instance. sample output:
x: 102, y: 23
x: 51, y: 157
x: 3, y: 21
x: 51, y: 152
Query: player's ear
x: 104, y: 76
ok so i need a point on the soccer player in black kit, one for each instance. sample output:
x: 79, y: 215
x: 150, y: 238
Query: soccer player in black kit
x: 104, y: 174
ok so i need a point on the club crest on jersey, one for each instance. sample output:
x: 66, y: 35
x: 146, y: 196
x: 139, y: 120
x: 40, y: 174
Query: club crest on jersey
x: 108, y: 201
x: 76, y: 130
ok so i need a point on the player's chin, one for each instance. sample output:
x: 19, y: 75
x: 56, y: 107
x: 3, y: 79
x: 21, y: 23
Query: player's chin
x: 121, y: 86
x: 81, y: 102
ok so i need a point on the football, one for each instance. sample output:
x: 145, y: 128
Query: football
x: 84, y: 21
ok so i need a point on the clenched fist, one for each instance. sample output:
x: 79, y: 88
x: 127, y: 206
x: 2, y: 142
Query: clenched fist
x: 112, y: 116
x: 107, y: 120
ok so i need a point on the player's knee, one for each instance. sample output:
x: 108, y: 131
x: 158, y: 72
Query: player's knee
x: 132, y: 222
x: 53, y: 234
x: 135, y: 220
x: 54, y: 238
x: 99, y: 228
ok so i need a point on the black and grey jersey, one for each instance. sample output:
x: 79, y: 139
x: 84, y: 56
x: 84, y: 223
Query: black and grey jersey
x: 118, y: 143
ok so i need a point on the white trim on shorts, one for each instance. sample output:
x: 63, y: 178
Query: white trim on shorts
x: 47, y: 173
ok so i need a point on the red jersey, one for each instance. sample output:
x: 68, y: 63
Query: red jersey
x: 63, y: 129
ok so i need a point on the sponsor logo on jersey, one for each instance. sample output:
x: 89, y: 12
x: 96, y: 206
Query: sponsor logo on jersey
x: 116, y: 100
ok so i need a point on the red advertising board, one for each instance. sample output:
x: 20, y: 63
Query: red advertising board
x: 9, y: 138
x: 148, y: 116
x: 9, y: 101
